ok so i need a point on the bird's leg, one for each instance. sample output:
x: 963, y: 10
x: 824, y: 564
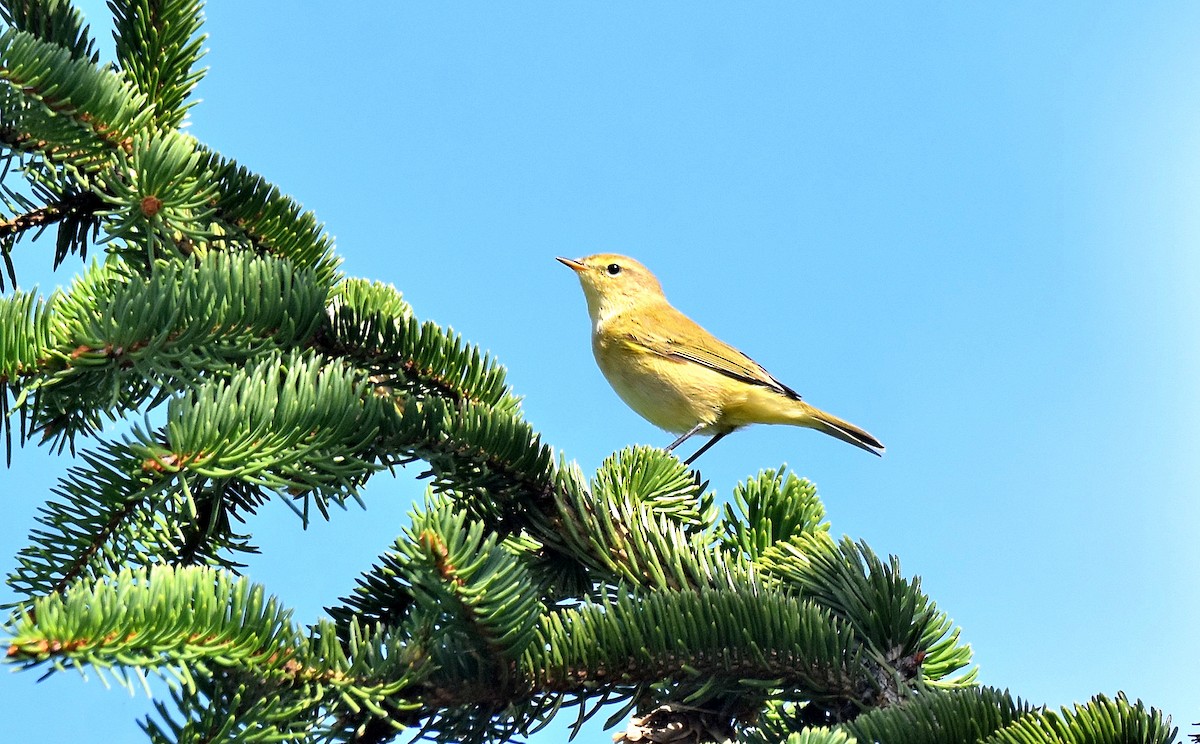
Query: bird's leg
x: 685, y: 437
x: 716, y: 438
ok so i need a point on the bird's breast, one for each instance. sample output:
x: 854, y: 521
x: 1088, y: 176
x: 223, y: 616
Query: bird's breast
x: 668, y: 393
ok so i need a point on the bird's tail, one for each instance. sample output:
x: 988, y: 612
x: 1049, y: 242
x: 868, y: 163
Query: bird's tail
x: 815, y: 418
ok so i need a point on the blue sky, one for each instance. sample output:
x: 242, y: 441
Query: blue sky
x: 971, y: 229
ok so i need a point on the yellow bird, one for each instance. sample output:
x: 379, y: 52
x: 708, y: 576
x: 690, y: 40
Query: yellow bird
x: 679, y: 376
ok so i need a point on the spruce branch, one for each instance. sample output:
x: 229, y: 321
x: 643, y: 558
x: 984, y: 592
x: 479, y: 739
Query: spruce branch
x: 158, y: 44
x: 621, y: 645
x: 125, y: 619
x: 747, y: 637
x: 49, y: 198
x: 209, y: 537
x: 652, y: 534
x: 644, y: 522
x: 482, y: 452
x: 770, y: 508
x: 27, y: 334
x: 942, y: 716
x: 75, y: 212
x: 807, y: 735
x: 55, y: 21
x: 201, y: 627
x: 79, y: 206
x: 283, y: 422
x: 371, y: 325
x: 115, y: 341
x: 113, y: 512
x: 911, y: 641
x: 98, y: 114
x: 1101, y: 720
x: 270, y: 221
x: 89, y: 531
x: 161, y: 198
x: 225, y: 708
x: 454, y: 566
x: 435, y: 542
x: 14, y: 140
x: 99, y: 102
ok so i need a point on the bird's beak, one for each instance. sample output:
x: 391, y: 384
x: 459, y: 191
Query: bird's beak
x: 572, y: 264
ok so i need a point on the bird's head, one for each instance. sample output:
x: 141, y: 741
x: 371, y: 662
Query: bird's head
x: 613, y: 284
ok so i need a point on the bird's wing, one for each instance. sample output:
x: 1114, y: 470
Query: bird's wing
x: 686, y: 341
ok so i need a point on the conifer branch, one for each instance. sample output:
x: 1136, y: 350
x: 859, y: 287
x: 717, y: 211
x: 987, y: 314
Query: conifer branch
x: 79, y: 205
x: 55, y: 21
x: 897, y: 624
x: 618, y: 647
x: 208, y: 538
x: 115, y: 340
x: 372, y: 326
x: 270, y: 221
x: 14, y: 138
x: 967, y: 714
x: 158, y: 42
x: 94, y: 528
x: 107, y: 107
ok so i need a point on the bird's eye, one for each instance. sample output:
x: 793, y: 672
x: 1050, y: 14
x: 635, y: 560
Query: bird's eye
x: 613, y: 269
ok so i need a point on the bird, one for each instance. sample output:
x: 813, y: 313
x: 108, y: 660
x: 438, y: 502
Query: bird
x: 677, y: 375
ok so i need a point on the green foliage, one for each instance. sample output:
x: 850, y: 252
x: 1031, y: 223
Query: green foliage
x: 1099, y: 721
x: 75, y: 211
x: 218, y: 317
x: 110, y: 512
x: 55, y: 21
x: 371, y: 324
x: 26, y: 336
x: 26, y: 333
x: 219, y: 710
x: 283, y: 422
x: 895, y: 620
x: 644, y: 522
x: 941, y: 717
x: 191, y: 613
x: 749, y: 636
x: 162, y: 200
x: 771, y: 508
x: 982, y: 715
x: 481, y: 451
x: 94, y: 132
x: 237, y: 661
x: 98, y: 107
x: 116, y: 340
x: 49, y: 132
x: 462, y: 576
x: 158, y: 44
x: 256, y: 214
x: 660, y: 483
x: 820, y: 736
